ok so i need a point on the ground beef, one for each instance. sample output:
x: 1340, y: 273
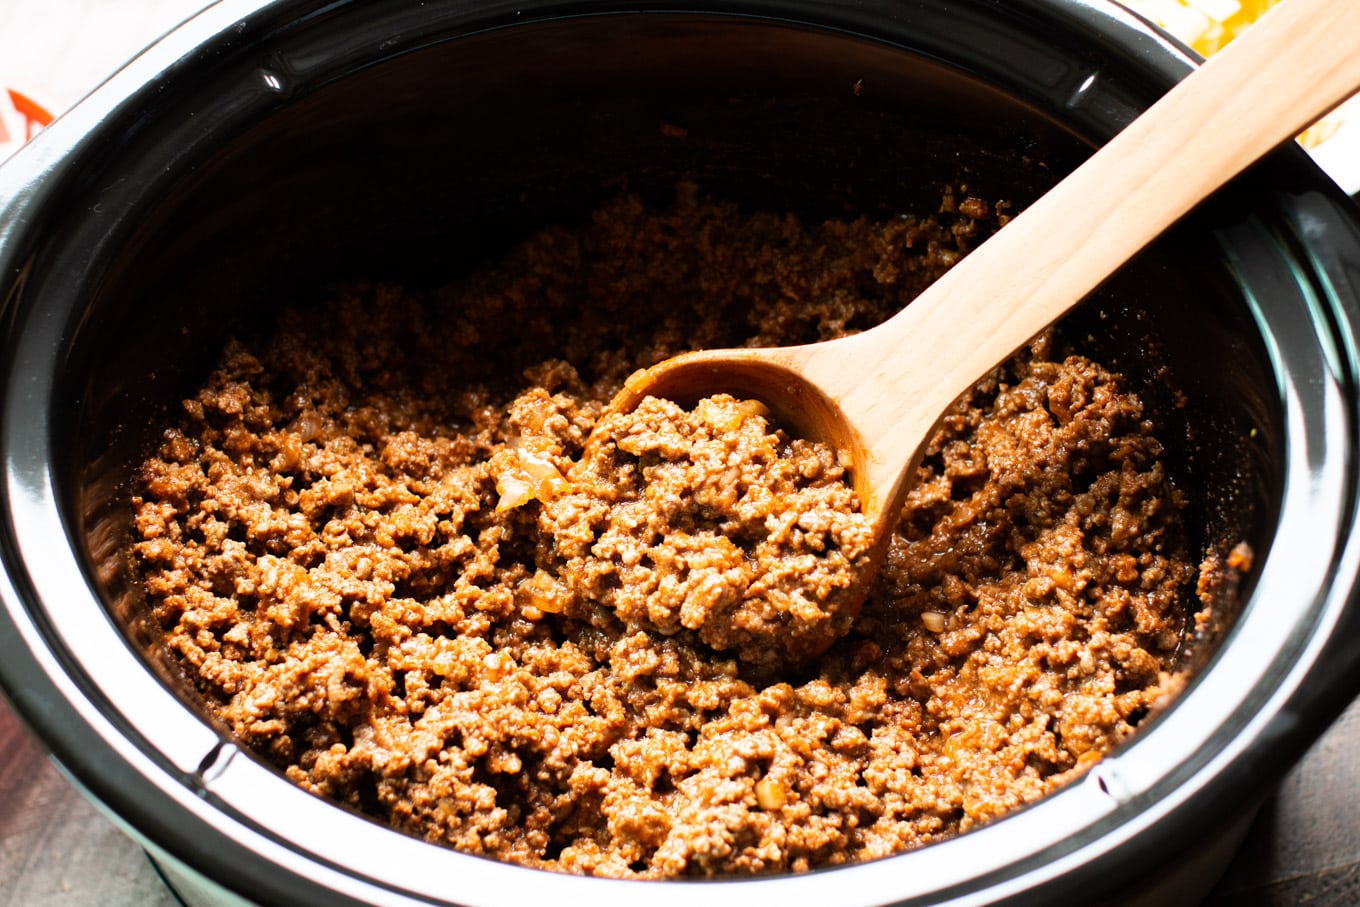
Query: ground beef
x: 707, y: 520
x: 384, y: 556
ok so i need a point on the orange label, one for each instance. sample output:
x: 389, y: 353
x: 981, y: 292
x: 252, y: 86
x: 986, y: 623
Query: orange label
x: 21, y: 118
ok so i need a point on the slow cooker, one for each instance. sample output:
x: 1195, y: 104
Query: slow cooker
x: 264, y: 148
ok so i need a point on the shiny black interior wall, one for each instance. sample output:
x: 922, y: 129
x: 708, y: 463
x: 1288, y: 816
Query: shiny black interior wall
x: 430, y: 163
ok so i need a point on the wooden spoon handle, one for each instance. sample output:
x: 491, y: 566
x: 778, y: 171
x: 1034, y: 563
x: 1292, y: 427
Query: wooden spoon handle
x: 1298, y: 62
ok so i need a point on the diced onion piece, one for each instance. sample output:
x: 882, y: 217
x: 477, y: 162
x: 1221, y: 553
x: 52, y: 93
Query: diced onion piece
x: 515, y: 490
x: 536, y: 466
x: 543, y: 592
x: 721, y: 413
x: 770, y: 794
x: 533, y: 476
x: 934, y: 621
x: 726, y: 414
x: 750, y: 408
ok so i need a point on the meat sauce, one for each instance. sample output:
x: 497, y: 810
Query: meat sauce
x: 388, y: 561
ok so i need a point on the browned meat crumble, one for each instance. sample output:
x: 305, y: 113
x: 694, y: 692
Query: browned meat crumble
x: 382, y: 553
x: 705, y: 521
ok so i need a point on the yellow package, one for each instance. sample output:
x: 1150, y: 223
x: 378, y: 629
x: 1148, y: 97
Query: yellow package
x: 1207, y: 25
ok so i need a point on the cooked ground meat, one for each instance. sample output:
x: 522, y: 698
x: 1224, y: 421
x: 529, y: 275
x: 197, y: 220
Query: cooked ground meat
x: 705, y: 520
x: 382, y: 552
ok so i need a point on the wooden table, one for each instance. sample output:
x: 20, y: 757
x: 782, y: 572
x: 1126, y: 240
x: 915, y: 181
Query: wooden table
x: 57, y: 850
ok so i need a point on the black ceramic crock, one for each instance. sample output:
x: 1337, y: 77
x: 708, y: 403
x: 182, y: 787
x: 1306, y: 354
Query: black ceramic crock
x: 264, y: 148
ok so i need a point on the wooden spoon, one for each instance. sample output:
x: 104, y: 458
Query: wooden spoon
x: 877, y: 396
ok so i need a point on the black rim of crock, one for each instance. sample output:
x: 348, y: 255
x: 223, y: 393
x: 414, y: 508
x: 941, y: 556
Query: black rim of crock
x: 158, y: 799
